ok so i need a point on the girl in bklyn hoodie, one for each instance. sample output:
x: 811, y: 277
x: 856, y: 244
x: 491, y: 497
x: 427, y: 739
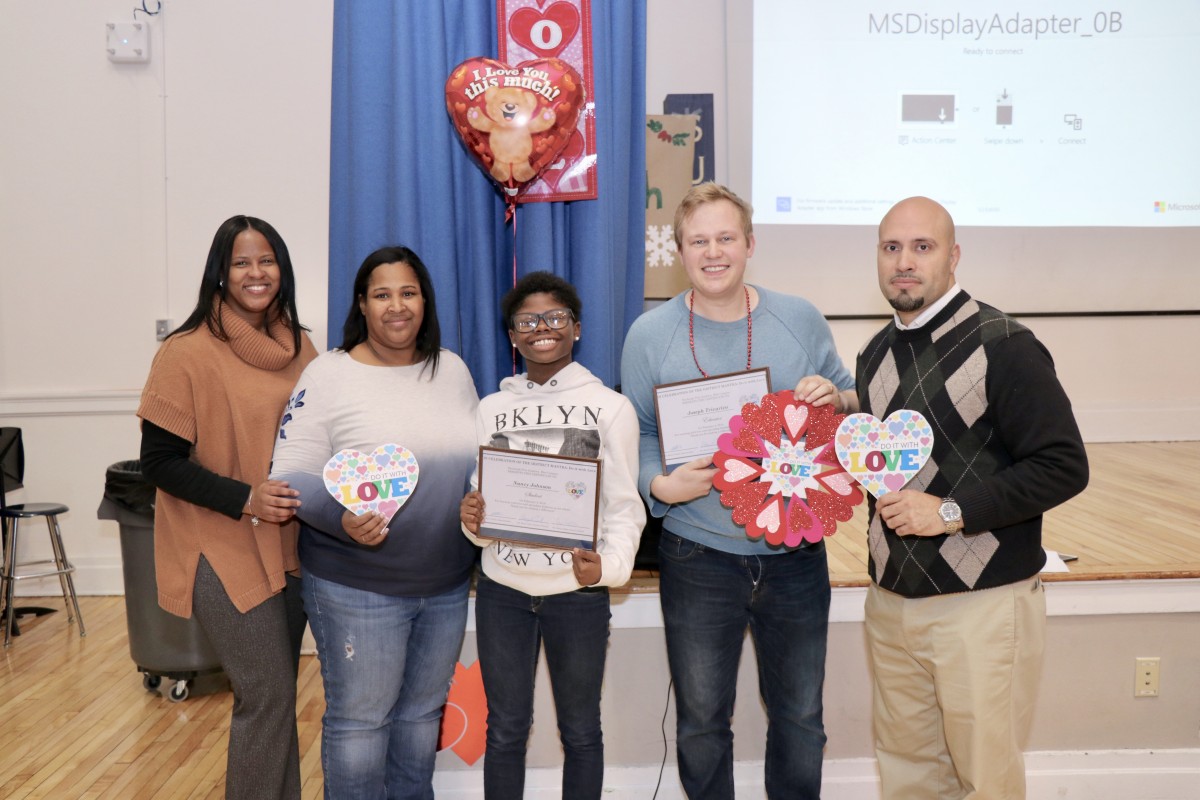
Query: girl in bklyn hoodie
x: 527, y: 596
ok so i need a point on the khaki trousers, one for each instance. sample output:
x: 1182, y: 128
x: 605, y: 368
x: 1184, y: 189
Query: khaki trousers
x: 955, y: 679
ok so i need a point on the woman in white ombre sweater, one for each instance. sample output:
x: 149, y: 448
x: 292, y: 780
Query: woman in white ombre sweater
x: 386, y: 597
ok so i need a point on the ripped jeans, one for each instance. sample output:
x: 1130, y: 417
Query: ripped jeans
x: 386, y: 663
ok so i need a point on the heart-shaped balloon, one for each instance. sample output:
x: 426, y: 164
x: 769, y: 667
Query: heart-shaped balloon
x: 884, y: 455
x: 514, y: 121
x: 381, y: 480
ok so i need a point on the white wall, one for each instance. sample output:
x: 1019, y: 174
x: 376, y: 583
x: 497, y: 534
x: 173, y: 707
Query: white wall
x: 113, y: 179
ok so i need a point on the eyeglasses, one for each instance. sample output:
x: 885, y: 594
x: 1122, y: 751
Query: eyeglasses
x: 557, y: 318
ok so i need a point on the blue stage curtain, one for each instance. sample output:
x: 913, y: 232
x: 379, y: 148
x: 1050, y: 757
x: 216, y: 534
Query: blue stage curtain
x: 399, y: 175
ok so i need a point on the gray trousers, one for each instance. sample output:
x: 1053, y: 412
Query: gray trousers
x: 260, y: 654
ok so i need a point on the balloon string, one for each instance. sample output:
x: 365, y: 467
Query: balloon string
x: 512, y: 214
x: 510, y: 199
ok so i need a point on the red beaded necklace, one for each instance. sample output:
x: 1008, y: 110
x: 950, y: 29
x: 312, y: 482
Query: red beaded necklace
x: 692, y: 330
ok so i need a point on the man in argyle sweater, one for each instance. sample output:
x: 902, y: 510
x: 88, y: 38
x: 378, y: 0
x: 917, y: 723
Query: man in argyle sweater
x: 956, y: 614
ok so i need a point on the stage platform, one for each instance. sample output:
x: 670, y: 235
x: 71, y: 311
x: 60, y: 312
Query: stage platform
x: 1138, y: 519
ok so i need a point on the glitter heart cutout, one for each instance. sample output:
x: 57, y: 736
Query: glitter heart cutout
x: 795, y: 420
x: 746, y: 441
x: 802, y: 525
x: 732, y: 470
x: 838, y: 483
x: 767, y: 521
x: 744, y: 500
x: 823, y: 423
x: 764, y: 419
x: 729, y: 442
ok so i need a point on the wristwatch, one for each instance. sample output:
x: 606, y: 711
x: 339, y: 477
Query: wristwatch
x: 951, y: 514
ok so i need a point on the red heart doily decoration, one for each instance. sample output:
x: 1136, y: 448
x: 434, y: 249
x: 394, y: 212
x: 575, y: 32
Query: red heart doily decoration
x: 778, y: 472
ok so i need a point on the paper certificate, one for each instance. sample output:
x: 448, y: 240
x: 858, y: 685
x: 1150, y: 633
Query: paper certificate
x: 692, y: 414
x: 546, y: 500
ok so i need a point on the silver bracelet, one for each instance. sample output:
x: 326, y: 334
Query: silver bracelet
x: 253, y: 516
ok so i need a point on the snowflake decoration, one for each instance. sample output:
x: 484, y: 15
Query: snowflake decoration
x: 660, y: 246
x: 778, y: 472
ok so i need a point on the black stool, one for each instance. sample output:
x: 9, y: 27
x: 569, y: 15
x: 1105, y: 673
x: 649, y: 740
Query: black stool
x: 12, y: 467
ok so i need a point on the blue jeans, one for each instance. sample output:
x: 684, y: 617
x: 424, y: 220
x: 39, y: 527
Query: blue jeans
x: 386, y: 663
x: 708, y: 599
x: 510, y: 629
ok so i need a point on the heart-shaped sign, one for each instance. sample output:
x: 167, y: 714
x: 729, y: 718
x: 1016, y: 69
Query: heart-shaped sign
x: 514, y: 121
x: 381, y: 480
x: 884, y: 455
x: 545, y: 32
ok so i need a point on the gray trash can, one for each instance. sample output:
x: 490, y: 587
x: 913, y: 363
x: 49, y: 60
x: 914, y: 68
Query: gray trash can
x: 162, y: 645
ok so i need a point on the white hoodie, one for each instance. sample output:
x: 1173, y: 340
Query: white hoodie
x: 574, y: 414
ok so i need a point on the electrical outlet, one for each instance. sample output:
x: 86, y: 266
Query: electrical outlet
x: 161, y: 328
x: 1145, y: 682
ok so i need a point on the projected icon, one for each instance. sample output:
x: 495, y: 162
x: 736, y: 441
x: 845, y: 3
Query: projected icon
x: 1004, y: 109
x: 1074, y: 121
x: 927, y: 108
x: 1160, y: 207
x: 783, y: 204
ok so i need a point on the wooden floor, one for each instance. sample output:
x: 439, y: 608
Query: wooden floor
x: 1138, y: 518
x: 75, y: 721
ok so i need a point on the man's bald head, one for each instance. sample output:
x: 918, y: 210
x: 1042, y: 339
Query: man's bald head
x: 931, y: 210
x: 917, y: 255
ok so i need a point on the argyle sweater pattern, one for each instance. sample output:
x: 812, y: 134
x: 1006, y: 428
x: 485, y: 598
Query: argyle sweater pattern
x: 1006, y: 446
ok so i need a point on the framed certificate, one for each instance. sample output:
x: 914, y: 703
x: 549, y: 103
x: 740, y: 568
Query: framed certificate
x: 692, y: 414
x: 539, y: 499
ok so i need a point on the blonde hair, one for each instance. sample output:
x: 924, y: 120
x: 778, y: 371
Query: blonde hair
x: 704, y: 194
